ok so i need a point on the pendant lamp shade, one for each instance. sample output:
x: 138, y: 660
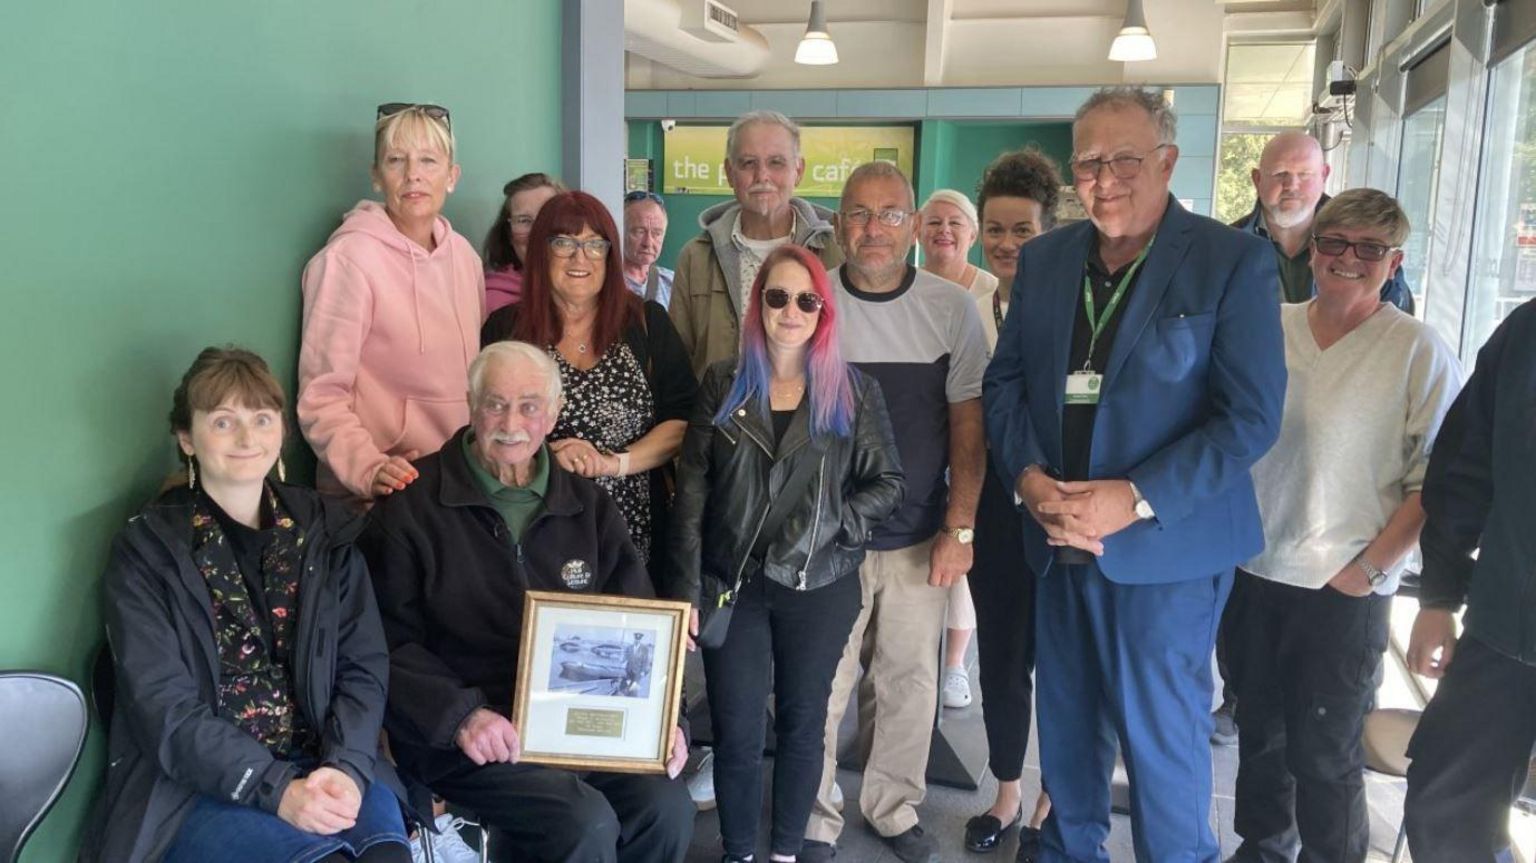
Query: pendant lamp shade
x: 1135, y: 40
x: 816, y: 48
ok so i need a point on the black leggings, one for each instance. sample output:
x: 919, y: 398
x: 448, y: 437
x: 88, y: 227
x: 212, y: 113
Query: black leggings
x: 787, y: 643
x: 1003, y: 588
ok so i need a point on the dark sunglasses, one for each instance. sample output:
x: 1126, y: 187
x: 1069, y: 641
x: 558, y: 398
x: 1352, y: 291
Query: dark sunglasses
x: 642, y: 195
x: 436, y: 112
x: 778, y: 298
x: 1365, y: 251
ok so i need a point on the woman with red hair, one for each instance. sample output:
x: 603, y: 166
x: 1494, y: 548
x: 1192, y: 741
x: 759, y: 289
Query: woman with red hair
x: 628, y: 385
x: 788, y: 464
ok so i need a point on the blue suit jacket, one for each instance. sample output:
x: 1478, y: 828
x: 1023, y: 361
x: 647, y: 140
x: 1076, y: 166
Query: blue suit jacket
x: 1192, y: 392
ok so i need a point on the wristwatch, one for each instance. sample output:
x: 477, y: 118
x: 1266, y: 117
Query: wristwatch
x: 1373, y: 573
x: 1143, y: 508
x: 962, y: 535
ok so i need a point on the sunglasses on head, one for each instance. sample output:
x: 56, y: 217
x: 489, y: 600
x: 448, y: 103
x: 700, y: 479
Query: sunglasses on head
x: 805, y: 301
x: 642, y: 195
x: 436, y: 112
x: 1364, y: 250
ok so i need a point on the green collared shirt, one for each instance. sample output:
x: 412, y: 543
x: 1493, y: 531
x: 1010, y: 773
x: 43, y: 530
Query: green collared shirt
x: 517, y: 506
x: 1295, y: 273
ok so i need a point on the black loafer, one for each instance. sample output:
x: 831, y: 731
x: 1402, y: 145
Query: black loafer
x: 1029, y: 845
x: 985, y: 832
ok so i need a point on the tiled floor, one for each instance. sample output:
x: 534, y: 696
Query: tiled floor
x: 945, y: 810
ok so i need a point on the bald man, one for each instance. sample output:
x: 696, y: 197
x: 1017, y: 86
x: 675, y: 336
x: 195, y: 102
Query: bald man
x: 1289, y: 181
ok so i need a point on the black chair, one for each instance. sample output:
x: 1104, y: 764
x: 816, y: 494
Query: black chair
x: 43, y: 722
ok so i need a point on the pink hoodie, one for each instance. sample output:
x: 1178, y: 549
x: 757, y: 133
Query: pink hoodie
x: 502, y: 288
x: 389, y: 332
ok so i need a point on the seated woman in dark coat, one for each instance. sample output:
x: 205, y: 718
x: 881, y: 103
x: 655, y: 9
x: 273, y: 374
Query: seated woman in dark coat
x: 250, y: 661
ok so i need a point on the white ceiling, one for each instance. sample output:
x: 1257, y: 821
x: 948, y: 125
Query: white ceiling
x: 916, y: 43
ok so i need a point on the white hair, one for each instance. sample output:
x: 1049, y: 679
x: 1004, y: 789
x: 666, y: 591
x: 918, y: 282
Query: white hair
x: 772, y: 118
x: 959, y: 201
x: 510, y: 351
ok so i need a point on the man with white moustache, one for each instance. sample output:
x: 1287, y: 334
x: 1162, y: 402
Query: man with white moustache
x: 493, y: 515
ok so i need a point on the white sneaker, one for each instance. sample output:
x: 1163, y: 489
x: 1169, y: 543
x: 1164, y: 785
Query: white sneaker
x: 447, y: 845
x: 701, y: 785
x: 957, y: 688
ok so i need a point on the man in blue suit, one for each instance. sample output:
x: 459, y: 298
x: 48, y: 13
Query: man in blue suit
x: 1138, y: 376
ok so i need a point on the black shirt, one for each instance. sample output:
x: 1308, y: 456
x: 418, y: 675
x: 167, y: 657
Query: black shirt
x: 781, y: 423
x: 1077, y: 420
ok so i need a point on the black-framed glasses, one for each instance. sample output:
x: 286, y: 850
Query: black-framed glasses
x: 1123, y: 167
x: 891, y: 217
x: 1365, y: 250
x: 643, y: 195
x: 805, y: 301
x: 565, y: 247
x: 436, y: 112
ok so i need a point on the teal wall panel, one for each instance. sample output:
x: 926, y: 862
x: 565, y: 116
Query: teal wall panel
x: 178, y: 164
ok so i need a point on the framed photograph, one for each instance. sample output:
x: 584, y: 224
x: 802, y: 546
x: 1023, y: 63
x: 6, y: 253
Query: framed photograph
x: 599, y: 680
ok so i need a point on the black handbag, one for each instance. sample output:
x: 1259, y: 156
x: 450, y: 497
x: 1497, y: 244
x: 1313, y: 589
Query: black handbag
x: 716, y: 615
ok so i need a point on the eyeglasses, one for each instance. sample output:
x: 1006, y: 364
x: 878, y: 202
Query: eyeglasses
x: 436, y: 112
x: 891, y: 218
x: 1123, y: 167
x: 520, y: 223
x: 805, y: 301
x: 1364, y: 250
x: 565, y: 247
x: 643, y: 195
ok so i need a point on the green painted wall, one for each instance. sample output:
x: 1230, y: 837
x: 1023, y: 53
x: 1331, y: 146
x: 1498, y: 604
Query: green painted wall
x: 173, y: 165
x: 950, y: 154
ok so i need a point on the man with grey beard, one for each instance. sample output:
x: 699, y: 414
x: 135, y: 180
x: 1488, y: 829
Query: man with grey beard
x: 715, y: 269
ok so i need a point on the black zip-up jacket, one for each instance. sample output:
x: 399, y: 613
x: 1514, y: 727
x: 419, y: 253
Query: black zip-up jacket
x: 167, y: 742
x: 1480, y: 493
x: 450, y: 583
x: 728, y: 473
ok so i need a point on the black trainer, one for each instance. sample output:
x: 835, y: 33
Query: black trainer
x: 816, y: 852
x: 913, y: 846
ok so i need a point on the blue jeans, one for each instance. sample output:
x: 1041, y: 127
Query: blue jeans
x: 215, y: 830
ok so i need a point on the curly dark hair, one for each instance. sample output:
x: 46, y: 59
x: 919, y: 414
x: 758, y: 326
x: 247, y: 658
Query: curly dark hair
x: 1026, y: 173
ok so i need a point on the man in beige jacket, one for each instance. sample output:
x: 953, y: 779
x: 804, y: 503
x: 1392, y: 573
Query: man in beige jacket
x: 715, y: 269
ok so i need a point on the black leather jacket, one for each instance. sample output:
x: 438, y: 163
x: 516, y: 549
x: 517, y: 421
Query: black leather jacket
x: 725, y: 474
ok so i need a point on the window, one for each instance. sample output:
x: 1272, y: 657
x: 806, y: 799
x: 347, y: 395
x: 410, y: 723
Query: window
x: 1504, y: 242
x: 1418, y: 176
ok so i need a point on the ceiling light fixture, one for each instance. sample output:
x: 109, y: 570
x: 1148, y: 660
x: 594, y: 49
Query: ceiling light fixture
x: 1135, y: 40
x: 816, y: 48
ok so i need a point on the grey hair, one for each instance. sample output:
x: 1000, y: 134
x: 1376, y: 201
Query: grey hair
x: 761, y: 116
x: 1128, y: 95
x: 1364, y: 209
x: 876, y: 170
x: 955, y: 199
x: 507, y: 352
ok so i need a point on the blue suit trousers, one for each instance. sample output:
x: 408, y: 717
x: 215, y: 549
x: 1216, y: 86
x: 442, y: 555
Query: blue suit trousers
x: 1128, y: 664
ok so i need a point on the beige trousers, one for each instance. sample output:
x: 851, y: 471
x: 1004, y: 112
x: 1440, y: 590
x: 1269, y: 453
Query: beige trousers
x: 895, y: 643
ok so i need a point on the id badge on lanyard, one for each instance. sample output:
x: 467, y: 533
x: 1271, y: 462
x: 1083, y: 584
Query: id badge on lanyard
x: 1085, y: 385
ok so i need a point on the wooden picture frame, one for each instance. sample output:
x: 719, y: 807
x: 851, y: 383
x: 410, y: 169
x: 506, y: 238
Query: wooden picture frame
x: 599, y: 680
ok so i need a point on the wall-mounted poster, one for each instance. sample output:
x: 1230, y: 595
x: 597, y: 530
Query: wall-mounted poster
x: 694, y: 157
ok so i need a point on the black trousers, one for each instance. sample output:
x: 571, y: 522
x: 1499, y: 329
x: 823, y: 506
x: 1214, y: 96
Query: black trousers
x: 1304, y: 665
x: 787, y: 643
x: 1003, y: 589
x: 559, y: 816
x: 1470, y: 756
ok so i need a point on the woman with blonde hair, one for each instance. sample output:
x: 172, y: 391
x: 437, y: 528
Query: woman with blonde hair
x: 392, y: 311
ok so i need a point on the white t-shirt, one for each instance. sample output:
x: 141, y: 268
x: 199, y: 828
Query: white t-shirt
x: 753, y: 253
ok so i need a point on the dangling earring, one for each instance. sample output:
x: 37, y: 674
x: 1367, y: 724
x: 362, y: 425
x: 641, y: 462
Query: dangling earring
x: 282, y: 475
x: 191, y: 474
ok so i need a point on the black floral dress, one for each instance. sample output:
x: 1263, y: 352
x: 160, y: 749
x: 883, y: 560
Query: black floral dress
x: 610, y: 406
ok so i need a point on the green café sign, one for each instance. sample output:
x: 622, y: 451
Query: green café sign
x: 693, y: 157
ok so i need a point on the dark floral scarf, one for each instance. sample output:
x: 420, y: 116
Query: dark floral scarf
x: 255, y: 657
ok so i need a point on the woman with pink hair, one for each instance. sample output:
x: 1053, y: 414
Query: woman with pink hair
x: 787, y: 464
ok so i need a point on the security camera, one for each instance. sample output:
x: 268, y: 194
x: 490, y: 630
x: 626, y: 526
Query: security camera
x: 668, y: 125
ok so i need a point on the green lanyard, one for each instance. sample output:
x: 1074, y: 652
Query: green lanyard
x: 1098, y: 323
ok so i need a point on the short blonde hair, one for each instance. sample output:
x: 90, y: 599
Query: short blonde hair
x: 959, y: 201
x: 1362, y: 209
x: 411, y: 126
